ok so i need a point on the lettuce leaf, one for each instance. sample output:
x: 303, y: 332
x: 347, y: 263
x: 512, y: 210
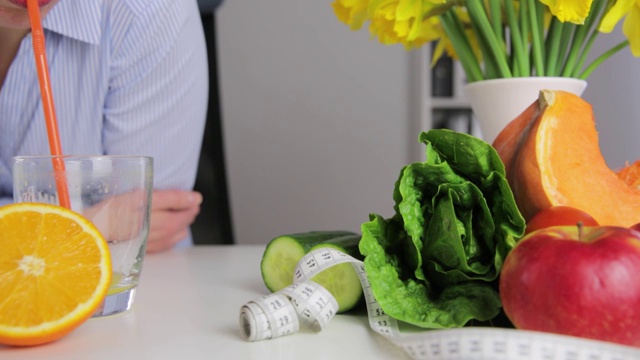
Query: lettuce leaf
x: 435, y: 263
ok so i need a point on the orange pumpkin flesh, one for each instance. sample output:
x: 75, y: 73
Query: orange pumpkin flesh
x: 630, y: 174
x: 552, y: 157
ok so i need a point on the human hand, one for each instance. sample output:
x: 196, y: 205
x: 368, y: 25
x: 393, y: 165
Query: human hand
x: 120, y: 217
x: 172, y: 212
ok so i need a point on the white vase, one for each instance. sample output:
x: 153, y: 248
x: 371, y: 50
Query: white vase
x: 496, y: 102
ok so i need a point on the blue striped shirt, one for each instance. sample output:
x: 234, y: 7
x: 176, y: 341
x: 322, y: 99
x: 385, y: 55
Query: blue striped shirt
x: 127, y: 76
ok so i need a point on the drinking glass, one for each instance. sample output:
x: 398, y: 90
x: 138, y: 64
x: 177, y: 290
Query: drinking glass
x: 113, y: 192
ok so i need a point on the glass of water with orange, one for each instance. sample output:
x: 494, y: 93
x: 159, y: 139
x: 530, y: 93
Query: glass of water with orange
x: 111, y: 191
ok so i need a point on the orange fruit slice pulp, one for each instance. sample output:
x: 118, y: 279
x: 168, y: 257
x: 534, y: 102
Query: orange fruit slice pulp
x: 55, y: 270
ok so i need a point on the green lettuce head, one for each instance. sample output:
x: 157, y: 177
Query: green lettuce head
x: 435, y: 263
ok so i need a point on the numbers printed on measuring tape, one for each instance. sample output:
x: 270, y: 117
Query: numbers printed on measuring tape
x: 306, y: 303
x: 275, y: 304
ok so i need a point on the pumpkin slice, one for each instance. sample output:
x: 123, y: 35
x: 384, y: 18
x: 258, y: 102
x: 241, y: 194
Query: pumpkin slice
x: 630, y: 174
x: 552, y: 157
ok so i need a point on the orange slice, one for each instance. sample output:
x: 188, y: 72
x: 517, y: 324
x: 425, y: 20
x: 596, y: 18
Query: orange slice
x: 55, y: 269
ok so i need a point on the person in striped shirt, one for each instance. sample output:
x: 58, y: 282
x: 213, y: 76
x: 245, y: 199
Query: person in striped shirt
x: 128, y: 77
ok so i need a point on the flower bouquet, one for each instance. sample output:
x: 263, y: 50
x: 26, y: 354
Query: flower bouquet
x: 501, y: 39
x: 520, y: 46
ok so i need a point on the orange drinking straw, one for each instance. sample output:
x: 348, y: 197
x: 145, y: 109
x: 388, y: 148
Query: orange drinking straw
x: 47, y: 101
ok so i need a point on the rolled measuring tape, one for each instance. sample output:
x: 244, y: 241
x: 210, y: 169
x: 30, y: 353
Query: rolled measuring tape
x: 309, y: 304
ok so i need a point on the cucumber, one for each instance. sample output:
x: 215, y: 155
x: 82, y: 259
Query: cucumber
x: 283, y: 253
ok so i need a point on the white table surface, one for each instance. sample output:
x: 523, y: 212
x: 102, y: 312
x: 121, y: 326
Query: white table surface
x: 187, y: 307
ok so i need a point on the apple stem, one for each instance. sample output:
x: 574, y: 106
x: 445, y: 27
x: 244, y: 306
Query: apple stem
x: 580, y: 230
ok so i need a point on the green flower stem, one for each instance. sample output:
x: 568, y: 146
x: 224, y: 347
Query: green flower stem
x: 525, y: 30
x: 585, y: 74
x: 478, y: 16
x: 574, y: 52
x: 455, y: 32
x: 519, y: 54
x: 596, y: 13
x: 491, y: 70
x: 571, y: 68
x: 567, y: 34
x: 554, y: 36
x: 583, y: 56
x: 490, y: 67
x: 536, y: 40
x: 496, y: 20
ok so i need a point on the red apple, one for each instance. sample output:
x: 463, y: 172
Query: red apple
x: 558, y: 216
x: 636, y: 227
x: 575, y: 282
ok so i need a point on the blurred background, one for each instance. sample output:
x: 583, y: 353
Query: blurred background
x: 310, y: 123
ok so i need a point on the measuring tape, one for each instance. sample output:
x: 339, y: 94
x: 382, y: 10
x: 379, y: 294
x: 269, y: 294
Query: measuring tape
x: 311, y: 305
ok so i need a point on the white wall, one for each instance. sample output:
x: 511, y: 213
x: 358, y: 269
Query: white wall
x: 315, y: 116
x: 614, y: 93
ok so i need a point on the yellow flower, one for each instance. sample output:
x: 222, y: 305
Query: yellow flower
x: 403, y: 21
x: 574, y: 11
x: 631, y: 25
x: 351, y: 12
